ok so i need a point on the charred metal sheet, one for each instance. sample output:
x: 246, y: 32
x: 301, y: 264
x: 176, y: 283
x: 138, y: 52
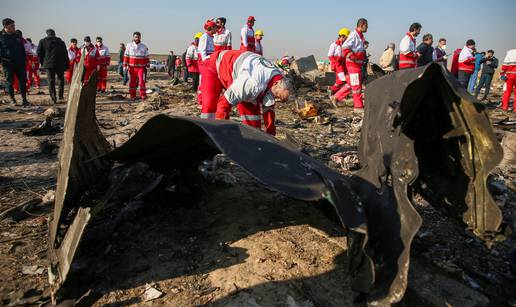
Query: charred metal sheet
x: 423, y: 132
x: 78, y: 170
x: 420, y: 132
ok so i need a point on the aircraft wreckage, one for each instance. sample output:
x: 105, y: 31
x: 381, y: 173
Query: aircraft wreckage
x: 421, y: 133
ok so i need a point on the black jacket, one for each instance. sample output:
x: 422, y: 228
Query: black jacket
x: 427, y: 53
x: 489, y: 65
x: 52, y: 53
x: 171, y: 61
x: 11, y: 49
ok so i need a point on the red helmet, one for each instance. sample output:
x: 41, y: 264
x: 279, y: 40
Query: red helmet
x: 209, y: 24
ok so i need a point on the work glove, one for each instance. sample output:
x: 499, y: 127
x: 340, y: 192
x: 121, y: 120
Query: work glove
x: 445, y: 57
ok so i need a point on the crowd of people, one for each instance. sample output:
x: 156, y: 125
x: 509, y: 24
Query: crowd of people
x: 223, y: 77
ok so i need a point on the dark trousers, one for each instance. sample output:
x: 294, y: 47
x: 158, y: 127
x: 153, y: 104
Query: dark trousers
x: 195, y: 80
x: 185, y: 75
x: 485, y: 82
x: 464, y: 78
x: 19, y: 71
x: 51, y: 75
x: 171, y: 71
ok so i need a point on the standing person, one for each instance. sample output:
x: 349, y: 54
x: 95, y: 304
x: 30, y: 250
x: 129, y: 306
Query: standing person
x: 27, y: 62
x: 408, y: 51
x: 489, y: 64
x: 425, y: 50
x: 474, y: 76
x: 121, y: 71
x: 74, y: 57
x: 171, y: 64
x: 258, y: 36
x: 455, y: 63
x: 250, y: 82
x: 222, y: 38
x: 136, y: 61
x: 13, y: 59
x: 185, y: 70
x: 205, y: 49
x: 179, y: 68
x: 91, y: 55
x: 192, y: 62
x: 247, y: 35
x: 53, y: 56
x: 33, y: 65
x: 355, y: 54
x: 103, y: 62
x: 508, y: 74
x: 337, y: 60
x: 388, y: 58
x: 440, y: 53
x: 466, y: 62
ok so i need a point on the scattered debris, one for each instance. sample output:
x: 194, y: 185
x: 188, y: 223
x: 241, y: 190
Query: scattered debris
x: 44, y: 128
x: 33, y: 270
x: 306, y: 109
x: 151, y: 293
x: 48, y: 147
x: 347, y: 160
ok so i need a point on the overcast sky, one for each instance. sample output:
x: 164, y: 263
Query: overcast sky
x: 290, y: 27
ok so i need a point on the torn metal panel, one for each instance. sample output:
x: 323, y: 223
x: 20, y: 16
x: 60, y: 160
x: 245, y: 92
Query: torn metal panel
x: 78, y: 170
x: 423, y: 131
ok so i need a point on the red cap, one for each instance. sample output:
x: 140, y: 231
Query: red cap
x: 209, y: 24
x: 251, y: 18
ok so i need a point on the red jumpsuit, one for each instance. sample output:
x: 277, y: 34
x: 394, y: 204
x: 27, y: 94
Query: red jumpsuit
x: 354, y: 52
x: 222, y: 39
x: 33, y: 70
x: 247, y: 38
x: 455, y: 62
x: 91, y: 54
x: 103, y: 62
x: 205, y: 49
x: 74, y: 57
x: 338, y: 65
x: 509, y: 71
x: 136, y: 58
x: 232, y: 70
x: 408, y: 52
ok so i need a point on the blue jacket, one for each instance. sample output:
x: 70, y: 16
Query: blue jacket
x: 478, y: 58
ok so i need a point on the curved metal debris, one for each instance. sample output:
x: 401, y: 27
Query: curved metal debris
x: 420, y: 132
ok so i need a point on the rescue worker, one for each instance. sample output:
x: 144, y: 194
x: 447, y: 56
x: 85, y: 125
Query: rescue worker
x: 13, y: 59
x: 205, y: 49
x: 355, y: 54
x: 508, y: 74
x: 74, y: 57
x: 192, y: 62
x: 136, y: 62
x: 33, y: 71
x: 466, y: 62
x: 285, y: 61
x: 408, y: 50
x: 337, y: 60
x: 222, y: 38
x: 455, y: 63
x: 247, y: 35
x: 258, y: 36
x: 91, y: 54
x: 250, y: 82
x: 103, y: 62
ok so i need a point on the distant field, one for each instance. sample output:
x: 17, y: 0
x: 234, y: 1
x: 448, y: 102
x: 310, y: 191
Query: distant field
x: 159, y: 57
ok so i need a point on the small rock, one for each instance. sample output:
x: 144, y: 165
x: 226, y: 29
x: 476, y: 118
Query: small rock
x: 151, y: 294
x: 49, y: 198
x: 32, y: 270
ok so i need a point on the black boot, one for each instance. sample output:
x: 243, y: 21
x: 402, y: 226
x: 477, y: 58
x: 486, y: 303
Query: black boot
x: 13, y: 100
x: 25, y: 102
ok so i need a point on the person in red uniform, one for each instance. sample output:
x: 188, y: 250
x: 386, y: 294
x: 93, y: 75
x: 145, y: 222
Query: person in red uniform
x: 247, y: 35
x: 103, y: 62
x: 136, y: 61
x: 508, y: 74
x: 337, y: 60
x: 250, y: 82
x: 33, y: 69
x: 91, y: 54
x: 408, y: 47
x: 192, y: 62
x: 455, y: 63
x: 74, y: 57
x: 355, y: 53
x: 466, y: 62
x: 205, y: 49
x: 222, y: 38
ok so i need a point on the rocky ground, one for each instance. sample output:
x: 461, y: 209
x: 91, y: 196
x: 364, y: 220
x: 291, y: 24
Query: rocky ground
x: 234, y: 242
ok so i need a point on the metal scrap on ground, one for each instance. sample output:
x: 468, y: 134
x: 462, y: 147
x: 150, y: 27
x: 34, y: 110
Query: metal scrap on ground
x: 398, y: 154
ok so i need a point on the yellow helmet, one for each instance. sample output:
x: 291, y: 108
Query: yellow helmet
x: 198, y: 35
x: 258, y: 32
x: 344, y: 31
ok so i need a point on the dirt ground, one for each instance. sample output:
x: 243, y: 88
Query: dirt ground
x: 237, y: 244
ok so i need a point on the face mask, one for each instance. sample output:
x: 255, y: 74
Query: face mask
x: 443, y: 47
x: 99, y: 44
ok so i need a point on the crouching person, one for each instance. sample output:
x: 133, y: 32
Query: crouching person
x: 251, y: 83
